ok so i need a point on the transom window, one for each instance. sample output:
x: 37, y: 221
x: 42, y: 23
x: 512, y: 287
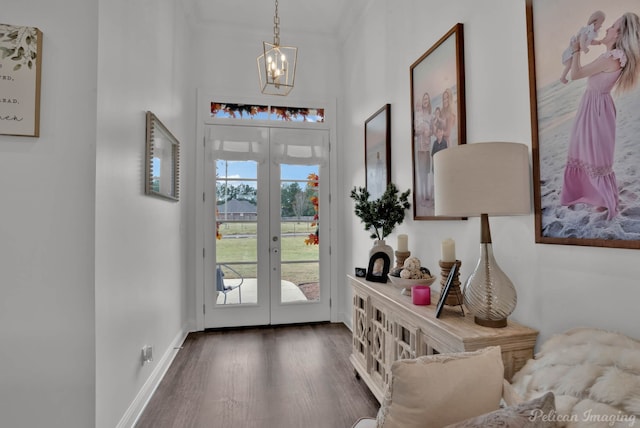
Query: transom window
x: 265, y: 112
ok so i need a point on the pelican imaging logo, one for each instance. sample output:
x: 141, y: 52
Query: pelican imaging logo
x: 588, y: 416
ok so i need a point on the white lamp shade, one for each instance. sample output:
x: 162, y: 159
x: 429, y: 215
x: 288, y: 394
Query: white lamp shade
x: 482, y: 178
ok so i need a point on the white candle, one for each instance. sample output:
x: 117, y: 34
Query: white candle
x: 403, y: 243
x: 448, y: 250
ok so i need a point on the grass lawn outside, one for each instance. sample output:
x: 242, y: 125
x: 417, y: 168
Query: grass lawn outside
x: 245, y: 227
x: 239, y: 245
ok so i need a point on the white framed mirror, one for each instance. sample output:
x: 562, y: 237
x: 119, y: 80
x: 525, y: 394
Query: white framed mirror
x: 162, y: 160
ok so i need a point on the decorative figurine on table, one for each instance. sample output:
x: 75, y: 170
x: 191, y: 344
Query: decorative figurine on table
x: 410, y: 274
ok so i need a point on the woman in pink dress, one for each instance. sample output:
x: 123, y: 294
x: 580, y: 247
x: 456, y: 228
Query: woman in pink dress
x: 588, y: 175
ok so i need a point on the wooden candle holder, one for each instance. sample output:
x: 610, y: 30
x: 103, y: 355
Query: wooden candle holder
x: 401, y: 256
x: 455, y: 293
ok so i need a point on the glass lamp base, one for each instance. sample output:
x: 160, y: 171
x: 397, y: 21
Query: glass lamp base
x: 489, y: 294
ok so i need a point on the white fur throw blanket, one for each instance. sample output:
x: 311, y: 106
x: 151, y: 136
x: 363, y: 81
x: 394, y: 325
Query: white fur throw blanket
x: 594, y: 374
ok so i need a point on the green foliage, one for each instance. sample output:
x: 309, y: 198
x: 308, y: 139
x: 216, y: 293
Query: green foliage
x: 295, y: 200
x: 241, y: 192
x: 288, y: 194
x: 19, y: 45
x: 381, y: 216
x: 6, y: 52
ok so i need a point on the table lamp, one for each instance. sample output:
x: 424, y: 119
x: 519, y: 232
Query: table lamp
x: 484, y: 179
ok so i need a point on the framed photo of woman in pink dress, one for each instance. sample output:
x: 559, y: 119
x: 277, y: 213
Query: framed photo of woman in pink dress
x: 585, y: 113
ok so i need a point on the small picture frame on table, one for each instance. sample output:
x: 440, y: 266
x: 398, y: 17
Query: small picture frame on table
x: 445, y: 291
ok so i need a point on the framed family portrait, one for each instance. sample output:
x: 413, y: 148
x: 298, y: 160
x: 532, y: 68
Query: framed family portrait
x: 437, y: 113
x: 377, y: 151
x: 585, y: 123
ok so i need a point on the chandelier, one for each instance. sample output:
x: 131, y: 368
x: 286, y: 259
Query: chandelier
x: 277, y: 64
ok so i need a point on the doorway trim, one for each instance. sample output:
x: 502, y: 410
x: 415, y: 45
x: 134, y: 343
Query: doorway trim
x: 204, y: 99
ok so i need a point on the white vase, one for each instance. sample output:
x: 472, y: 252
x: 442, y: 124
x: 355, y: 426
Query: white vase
x: 380, y: 246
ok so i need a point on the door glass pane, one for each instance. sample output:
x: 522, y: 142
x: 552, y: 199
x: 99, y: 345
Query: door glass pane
x: 236, y: 232
x: 299, y: 222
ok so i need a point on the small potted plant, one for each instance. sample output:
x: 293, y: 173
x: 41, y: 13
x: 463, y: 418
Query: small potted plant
x: 380, y: 216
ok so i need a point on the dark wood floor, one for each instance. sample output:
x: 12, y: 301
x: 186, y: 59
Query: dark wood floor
x: 272, y: 377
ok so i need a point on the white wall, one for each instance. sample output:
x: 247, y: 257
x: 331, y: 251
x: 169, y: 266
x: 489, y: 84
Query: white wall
x: 141, y: 241
x: 226, y: 65
x: 91, y: 269
x: 47, y: 334
x: 559, y: 287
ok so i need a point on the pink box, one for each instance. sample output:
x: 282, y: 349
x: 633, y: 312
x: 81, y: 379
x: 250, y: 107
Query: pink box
x: 421, y: 295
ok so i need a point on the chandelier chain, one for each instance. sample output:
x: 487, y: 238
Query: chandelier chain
x: 276, y: 27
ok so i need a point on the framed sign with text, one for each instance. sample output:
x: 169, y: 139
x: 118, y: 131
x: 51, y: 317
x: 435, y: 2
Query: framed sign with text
x: 20, y: 71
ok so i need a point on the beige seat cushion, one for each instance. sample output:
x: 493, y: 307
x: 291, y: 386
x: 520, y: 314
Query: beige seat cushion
x: 438, y: 390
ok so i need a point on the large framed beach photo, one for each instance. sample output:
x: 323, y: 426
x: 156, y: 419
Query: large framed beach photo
x: 437, y: 113
x: 377, y: 151
x: 586, y: 134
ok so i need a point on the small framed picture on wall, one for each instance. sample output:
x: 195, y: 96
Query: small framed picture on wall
x: 377, y: 151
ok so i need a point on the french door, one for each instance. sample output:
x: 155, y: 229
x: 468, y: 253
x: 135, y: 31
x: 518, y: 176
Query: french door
x: 266, y: 257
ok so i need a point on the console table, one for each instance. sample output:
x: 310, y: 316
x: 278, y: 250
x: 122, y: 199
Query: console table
x: 387, y: 326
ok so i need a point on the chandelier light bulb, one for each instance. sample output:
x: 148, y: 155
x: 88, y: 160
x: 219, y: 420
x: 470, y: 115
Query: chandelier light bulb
x: 283, y: 58
x: 269, y: 59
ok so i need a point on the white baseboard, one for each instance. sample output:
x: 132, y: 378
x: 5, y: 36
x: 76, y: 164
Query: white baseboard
x: 138, y: 405
x: 346, y: 320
